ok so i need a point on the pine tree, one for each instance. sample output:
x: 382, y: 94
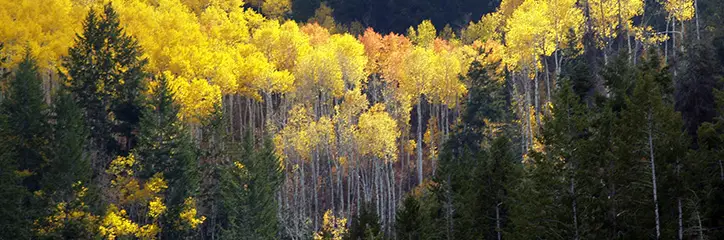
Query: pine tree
x: 694, y: 95
x: 248, y: 191
x: 365, y: 224
x: 409, y: 219
x: 69, y: 162
x: 165, y: 147
x: 23, y: 149
x: 105, y: 73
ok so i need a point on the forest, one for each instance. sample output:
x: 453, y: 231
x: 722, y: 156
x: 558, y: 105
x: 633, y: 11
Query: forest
x: 340, y: 119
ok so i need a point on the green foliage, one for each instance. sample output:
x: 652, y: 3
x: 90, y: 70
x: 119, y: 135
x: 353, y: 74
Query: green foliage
x: 165, y: 147
x: 365, y: 224
x: 23, y: 149
x: 68, y: 164
x: 105, y: 72
x: 248, y: 188
x: 409, y: 223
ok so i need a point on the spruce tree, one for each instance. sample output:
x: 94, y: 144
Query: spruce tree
x: 694, y: 87
x: 249, y: 187
x: 105, y: 73
x: 166, y: 147
x: 408, y: 222
x: 23, y: 149
x: 69, y: 163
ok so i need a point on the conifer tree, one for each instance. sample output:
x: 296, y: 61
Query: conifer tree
x: 165, y: 147
x: 104, y: 70
x: 409, y: 219
x: 69, y: 163
x: 248, y: 192
x: 23, y: 149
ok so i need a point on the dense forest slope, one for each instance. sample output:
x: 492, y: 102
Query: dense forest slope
x: 279, y: 119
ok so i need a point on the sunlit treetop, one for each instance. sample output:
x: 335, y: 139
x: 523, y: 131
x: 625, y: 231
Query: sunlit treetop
x: 276, y: 9
x: 682, y: 10
x: 528, y: 34
x: 395, y: 49
x: 316, y: 33
x: 373, y: 45
x: 46, y: 28
x: 423, y: 35
x: 351, y: 59
x: 377, y: 133
x: 607, y: 15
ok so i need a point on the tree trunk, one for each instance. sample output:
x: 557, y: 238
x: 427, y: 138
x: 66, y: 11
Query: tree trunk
x: 498, y: 231
x: 653, y: 173
x: 681, y: 220
x: 574, y: 208
x: 696, y: 17
x: 419, y: 140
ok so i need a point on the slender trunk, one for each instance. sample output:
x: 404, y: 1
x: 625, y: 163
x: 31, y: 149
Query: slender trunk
x: 548, y: 84
x: 653, y: 174
x: 696, y: 17
x: 681, y: 220
x: 498, y: 230
x: 419, y: 140
x: 673, y: 46
x: 721, y: 171
x: 574, y: 208
x: 666, y: 43
x: 701, y: 227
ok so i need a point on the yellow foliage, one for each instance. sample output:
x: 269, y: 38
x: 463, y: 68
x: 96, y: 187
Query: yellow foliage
x: 419, y: 69
x: 377, y: 133
x: 607, y: 15
x: 276, y: 9
x: 528, y: 34
x: 682, y: 10
x: 351, y: 59
x: 333, y: 228
x: 189, y: 214
x: 196, y: 97
x: 116, y: 224
x: 46, y: 27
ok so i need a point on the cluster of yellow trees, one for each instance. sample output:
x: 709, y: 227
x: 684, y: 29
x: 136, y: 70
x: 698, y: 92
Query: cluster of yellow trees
x: 335, y: 102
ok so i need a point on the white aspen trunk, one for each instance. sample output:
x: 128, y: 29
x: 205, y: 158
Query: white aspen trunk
x: 701, y: 227
x: 304, y: 206
x: 575, y: 208
x: 419, y: 140
x: 269, y: 107
x: 721, y: 171
x: 681, y: 220
x: 653, y: 174
x: 315, y: 191
x: 498, y: 231
x: 548, y: 83
x: 696, y: 17
x: 666, y: 43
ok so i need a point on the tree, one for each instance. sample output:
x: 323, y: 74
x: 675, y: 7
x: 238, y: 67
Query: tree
x: 105, y: 73
x: 248, y: 189
x: 409, y: 222
x: 165, y: 147
x: 69, y: 162
x: 24, y: 134
x: 694, y: 88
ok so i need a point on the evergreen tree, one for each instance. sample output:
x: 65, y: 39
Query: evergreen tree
x: 248, y: 189
x: 23, y: 149
x: 365, y: 224
x: 409, y: 220
x: 694, y: 87
x: 166, y: 147
x: 69, y: 163
x: 105, y: 74
x: 651, y: 132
